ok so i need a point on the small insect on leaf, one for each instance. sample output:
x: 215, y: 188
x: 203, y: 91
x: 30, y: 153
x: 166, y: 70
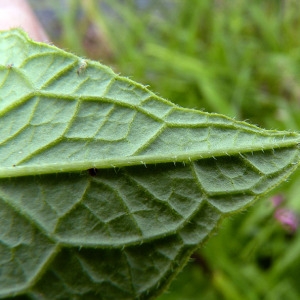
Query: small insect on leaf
x: 82, y: 67
x: 9, y: 66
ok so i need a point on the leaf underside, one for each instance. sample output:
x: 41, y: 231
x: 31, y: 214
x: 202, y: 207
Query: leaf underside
x: 166, y: 177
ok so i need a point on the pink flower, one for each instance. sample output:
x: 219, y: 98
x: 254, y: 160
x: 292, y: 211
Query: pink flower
x: 287, y: 218
x: 277, y: 200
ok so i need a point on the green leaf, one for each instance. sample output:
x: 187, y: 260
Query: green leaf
x: 166, y: 177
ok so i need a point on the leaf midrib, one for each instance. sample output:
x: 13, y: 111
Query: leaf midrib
x: 119, y: 162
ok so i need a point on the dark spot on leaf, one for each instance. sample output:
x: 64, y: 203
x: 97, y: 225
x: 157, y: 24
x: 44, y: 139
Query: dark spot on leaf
x: 93, y: 171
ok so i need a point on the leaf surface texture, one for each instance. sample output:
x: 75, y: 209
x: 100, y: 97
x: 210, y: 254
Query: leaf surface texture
x: 166, y: 177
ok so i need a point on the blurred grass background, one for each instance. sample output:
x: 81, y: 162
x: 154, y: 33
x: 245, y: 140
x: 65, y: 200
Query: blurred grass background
x: 239, y: 58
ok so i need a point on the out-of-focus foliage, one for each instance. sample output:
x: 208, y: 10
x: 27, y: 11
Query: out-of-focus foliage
x: 238, y: 57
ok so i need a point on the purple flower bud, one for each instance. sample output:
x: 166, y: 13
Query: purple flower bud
x: 277, y: 200
x: 287, y: 218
